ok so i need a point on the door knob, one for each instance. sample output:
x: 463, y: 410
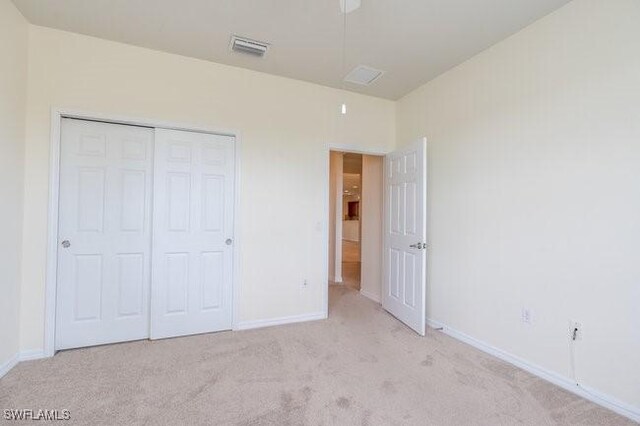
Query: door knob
x: 229, y: 241
x: 66, y: 244
x: 418, y: 246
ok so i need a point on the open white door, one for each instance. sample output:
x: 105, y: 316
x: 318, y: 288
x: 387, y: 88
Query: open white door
x: 405, y: 231
x: 192, y: 233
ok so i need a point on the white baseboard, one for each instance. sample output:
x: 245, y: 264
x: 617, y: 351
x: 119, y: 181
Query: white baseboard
x: 31, y: 354
x: 19, y: 357
x: 247, y: 325
x: 8, y: 365
x: 566, y: 383
x: 368, y: 295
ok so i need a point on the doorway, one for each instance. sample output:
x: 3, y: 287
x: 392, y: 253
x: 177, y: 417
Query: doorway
x: 355, y: 223
x: 351, y: 219
x: 392, y: 211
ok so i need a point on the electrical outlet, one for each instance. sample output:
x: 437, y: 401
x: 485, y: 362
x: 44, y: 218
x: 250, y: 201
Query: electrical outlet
x: 527, y: 316
x: 575, y: 330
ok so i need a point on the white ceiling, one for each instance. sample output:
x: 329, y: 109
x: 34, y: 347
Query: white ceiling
x: 413, y: 41
x: 352, y: 163
x: 351, y: 184
x: 351, y: 169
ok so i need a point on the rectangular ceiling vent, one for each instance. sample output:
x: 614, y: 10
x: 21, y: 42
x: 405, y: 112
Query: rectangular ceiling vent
x: 248, y: 46
x: 363, y: 75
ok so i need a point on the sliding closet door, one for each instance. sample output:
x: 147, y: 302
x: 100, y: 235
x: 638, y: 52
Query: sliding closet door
x: 192, y: 233
x: 104, y: 228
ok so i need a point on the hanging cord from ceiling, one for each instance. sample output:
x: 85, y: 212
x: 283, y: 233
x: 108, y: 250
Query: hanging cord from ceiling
x: 344, y: 54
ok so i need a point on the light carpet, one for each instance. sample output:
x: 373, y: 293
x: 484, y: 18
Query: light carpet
x: 351, y: 264
x: 359, y: 367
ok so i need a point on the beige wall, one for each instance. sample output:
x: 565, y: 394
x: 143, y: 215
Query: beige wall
x: 534, y: 192
x: 13, y: 70
x: 371, y: 210
x: 285, y: 127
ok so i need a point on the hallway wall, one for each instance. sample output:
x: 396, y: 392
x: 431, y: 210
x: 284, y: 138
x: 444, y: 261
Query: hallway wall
x: 371, y: 239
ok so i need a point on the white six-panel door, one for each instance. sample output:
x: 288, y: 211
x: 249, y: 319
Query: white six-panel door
x: 405, y: 227
x: 104, y: 228
x: 192, y: 233
x: 145, y: 233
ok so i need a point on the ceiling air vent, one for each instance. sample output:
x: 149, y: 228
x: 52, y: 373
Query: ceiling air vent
x: 248, y: 46
x: 363, y: 75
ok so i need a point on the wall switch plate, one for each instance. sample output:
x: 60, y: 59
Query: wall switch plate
x: 527, y: 316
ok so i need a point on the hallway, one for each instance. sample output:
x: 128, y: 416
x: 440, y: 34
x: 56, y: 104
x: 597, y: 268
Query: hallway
x: 351, y: 264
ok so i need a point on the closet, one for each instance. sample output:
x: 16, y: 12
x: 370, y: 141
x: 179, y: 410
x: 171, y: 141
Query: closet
x: 145, y: 233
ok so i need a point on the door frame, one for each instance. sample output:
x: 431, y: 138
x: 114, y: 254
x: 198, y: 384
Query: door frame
x: 350, y: 149
x: 51, y: 276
